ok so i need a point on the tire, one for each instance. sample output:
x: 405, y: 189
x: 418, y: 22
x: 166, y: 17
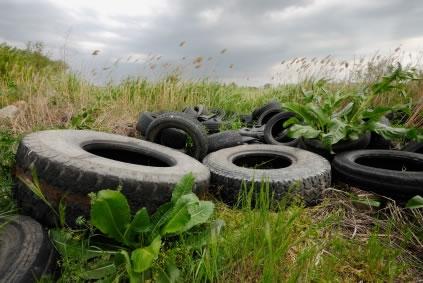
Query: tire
x: 255, y: 132
x: 170, y: 137
x: 212, y: 125
x: 381, y: 171
x: 26, y: 253
x: 144, y: 121
x: 71, y: 164
x: 416, y: 147
x: 267, y: 115
x: 316, y: 146
x: 310, y: 172
x: 182, y: 121
x: 274, y: 127
x: 258, y: 111
x: 224, y: 140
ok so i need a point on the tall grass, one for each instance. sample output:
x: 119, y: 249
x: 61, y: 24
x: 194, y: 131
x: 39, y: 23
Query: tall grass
x: 290, y: 243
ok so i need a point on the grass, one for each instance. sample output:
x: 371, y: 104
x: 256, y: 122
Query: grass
x: 337, y: 240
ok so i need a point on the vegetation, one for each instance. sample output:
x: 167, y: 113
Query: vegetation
x: 351, y: 236
x: 335, y: 116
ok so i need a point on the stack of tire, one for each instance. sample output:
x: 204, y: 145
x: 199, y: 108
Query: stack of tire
x: 202, y: 128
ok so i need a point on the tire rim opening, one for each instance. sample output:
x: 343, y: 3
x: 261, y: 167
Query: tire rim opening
x: 391, y: 163
x: 174, y: 138
x: 127, y: 155
x: 262, y: 161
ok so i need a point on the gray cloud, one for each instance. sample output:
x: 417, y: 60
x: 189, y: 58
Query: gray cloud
x: 256, y: 34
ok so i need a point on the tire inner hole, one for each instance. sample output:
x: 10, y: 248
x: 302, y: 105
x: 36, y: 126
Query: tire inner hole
x: 262, y: 161
x: 391, y: 163
x: 127, y: 155
x: 175, y: 138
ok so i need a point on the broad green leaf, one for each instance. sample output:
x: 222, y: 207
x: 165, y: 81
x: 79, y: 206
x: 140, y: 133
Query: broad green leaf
x: 337, y: 131
x: 110, y: 213
x: 139, y: 224
x: 415, y: 202
x: 322, y: 117
x: 183, y: 187
x: 304, y: 131
x: 177, y: 221
x: 301, y: 111
x: 123, y: 258
x: 374, y: 115
x: 69, y: 247
x: 344, y: 111
x: 394, y: 133
x: 200, y: 213
x: 291, y: 121
x: 179, y: 215
x: 143, y: 258
x: 99, y: 272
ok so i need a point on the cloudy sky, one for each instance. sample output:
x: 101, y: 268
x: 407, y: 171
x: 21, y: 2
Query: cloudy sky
x: 229, y: 40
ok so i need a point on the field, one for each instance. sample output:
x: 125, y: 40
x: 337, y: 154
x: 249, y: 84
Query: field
x: 347, y: 237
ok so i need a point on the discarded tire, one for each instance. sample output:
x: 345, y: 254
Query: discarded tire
x: 26, y: 252
x: 224, y: 139
x: 388, y: 172
x: 175, y: 120
x: 416, y: 147
x: 212, y: 125
x: 284, y: 168
x: 260, y: 110
x: 275, y: 133
x: 70, y: 164
x: 267, y: 115
x: 144, y: 121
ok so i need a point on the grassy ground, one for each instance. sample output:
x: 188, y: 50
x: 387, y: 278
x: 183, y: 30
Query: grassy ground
x: 340, y: 239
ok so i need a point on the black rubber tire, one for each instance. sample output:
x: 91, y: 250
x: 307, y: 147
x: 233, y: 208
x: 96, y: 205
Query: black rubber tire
x: 212, y: 125
x: 267, y: 115
x: 67, y: 170
x: 275, y: 126
x: 316, y: 146
x: 416, y: 147
x: 26, y: 253
x: 185, y: 122
x: 170, y: 137
x: 386, y: 177
x: 310, y: 172
x: 224, y: 139
x: 258, y: 111
x: 144, y: 121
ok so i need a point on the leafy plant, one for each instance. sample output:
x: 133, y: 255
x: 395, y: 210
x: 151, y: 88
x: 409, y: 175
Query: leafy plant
x: 333, y: 116
x: 415, y: 202
x: 137, y: 239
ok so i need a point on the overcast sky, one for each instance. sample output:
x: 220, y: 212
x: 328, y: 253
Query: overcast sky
x: 238, y: 40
